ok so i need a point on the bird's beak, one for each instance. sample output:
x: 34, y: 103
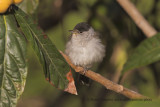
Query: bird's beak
x: 70, y: 31
x: 74, y: 32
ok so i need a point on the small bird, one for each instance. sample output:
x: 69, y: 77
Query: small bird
x: 84, y: 47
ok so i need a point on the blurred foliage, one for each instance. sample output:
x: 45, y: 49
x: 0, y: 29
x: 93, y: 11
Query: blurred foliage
x: 120, y: 35
x: 147, y: 4
x: 29, y: 6
x: 143, y: 104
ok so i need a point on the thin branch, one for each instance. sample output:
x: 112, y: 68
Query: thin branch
x: 105, y: 82
x: 140, y: 21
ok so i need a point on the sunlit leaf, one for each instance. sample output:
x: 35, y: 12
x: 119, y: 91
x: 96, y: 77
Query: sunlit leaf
x: 13, y: 69
x: 146, y: 53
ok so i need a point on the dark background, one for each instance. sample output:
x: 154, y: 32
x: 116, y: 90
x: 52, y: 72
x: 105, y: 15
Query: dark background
x: 120, y: 35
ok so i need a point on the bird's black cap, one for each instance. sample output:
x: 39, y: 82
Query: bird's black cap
x: 83, y: 26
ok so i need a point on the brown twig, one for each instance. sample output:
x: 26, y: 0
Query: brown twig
x: 105, y: 82
x: 140, y: 21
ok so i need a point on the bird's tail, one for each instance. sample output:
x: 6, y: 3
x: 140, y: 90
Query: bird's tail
x: 84, y: 80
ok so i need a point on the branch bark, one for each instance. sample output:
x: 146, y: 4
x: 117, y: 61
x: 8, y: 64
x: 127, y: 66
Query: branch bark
x: 105, y: 82
x: 140, y: 21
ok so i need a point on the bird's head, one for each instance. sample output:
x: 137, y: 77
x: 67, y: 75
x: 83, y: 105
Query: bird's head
x: 82, y: 31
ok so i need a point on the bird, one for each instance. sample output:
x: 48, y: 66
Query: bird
x: 84, y: 48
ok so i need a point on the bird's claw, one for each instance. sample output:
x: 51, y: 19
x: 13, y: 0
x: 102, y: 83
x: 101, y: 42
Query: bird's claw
x: 84, y: 71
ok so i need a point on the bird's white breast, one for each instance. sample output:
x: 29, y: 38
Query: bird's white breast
x: 85, y: 53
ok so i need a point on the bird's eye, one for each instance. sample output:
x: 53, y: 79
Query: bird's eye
x: 80, y: 32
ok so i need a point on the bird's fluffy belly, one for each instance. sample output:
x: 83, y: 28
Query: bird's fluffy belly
x: 82, y: 56
x: 87, y: 54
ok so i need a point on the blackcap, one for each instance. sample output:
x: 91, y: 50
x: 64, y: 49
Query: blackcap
x: 84, y: 47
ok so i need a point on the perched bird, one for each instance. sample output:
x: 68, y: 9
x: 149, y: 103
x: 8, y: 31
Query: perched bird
x: 84, y: 47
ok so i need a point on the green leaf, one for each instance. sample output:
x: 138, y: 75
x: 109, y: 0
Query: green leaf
x: 54, y: 64
x: 29, y: 6
x: 146, y: 53
x: 13, y: 68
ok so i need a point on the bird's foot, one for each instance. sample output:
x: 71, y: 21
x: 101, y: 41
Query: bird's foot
x: 85, y: 70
